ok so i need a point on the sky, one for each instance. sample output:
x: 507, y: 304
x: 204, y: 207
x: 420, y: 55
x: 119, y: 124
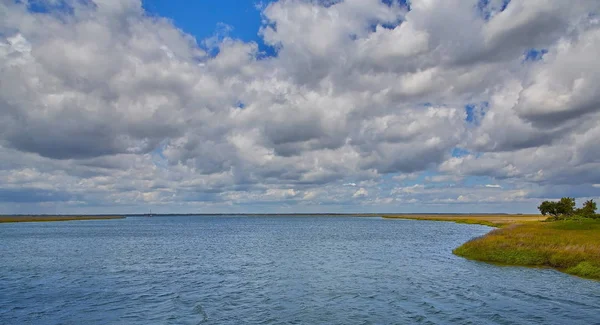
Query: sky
x: 234, y: 106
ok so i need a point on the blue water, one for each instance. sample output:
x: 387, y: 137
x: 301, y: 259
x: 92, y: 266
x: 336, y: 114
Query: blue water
x: 271, y: 270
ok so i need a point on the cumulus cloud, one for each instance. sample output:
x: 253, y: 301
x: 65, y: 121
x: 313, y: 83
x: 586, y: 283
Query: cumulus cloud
x: 103, y: 105
x: 361, y: 193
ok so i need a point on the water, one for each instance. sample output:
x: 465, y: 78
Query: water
x: 284, y: 270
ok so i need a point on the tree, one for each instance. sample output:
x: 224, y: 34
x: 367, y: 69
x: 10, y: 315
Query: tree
x: 563, y: 208
x: 588, y: 210
x: 549, y: 208
x: 566, y: 206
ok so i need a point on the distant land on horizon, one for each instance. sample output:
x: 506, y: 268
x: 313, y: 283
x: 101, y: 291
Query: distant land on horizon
x: 251, y: 214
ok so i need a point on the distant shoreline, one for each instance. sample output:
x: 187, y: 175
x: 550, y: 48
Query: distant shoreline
x: 47, y: 218
x: 492, y: 220
x: 485, y: 219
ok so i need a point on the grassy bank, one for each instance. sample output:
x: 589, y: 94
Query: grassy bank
x: 493, y: 220
x: 6, y: 219
x: 569, y: 246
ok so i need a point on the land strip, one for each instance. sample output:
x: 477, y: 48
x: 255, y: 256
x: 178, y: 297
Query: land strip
x: 493, y: 220
x: 10, y: 219
x: 570, y: 246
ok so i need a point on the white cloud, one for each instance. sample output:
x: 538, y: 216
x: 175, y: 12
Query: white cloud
x: 361, y: 193
x: 311, y: 195
x: 493, y: 186
x: 108, y: 105
x: 443, y: 178
x: 279, y: 193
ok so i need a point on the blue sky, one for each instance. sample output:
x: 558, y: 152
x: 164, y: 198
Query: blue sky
x: 203, y: 19
x: 365, y: 106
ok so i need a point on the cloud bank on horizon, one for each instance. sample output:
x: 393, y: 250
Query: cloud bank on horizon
x: 363, y: 105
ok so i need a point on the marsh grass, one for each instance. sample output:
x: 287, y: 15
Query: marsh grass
x: 481, y: 222
x: 492, y: 220
x: 570, y: 246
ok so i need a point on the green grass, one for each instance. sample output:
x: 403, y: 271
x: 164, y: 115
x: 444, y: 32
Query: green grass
x: 481, y: 222
x: 570, y: 246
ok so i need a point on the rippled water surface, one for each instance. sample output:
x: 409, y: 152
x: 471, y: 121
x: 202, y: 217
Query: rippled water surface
x: 271, y: 270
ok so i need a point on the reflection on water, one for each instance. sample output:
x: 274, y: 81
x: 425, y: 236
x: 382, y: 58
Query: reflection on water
x: 265, y: 270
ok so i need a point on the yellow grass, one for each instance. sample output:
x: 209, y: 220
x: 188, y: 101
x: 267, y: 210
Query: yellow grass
x: 494, y: 220
x: 6, y: 219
